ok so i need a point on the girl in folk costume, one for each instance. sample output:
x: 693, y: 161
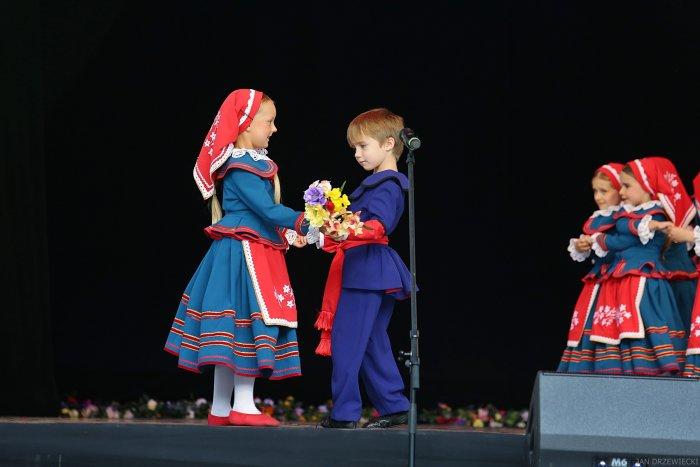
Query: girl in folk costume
x: 683, y: 273
x: 238, y: 311
x: 636, y: 325
x: 578, y: 356
x: 691, y: 237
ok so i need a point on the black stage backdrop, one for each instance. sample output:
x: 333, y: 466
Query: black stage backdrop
x: 106, y: 106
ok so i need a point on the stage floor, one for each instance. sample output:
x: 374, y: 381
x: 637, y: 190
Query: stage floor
x: 66, y: 442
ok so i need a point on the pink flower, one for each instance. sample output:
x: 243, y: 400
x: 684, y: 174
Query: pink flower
x: 128, y: 415
x: 524, y: 415
x: 483, y: 415
x: 112, y: 413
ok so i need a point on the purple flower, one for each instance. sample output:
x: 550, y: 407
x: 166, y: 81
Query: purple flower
x: 314, y: 195
x: 323, y: 409
x: 299, y: 411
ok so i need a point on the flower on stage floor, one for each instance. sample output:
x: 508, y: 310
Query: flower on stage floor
x: 288, y: 409
x: 112, y: 412
x: 326, y: 208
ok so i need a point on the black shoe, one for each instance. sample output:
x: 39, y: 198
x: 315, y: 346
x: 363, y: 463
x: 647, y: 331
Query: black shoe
x: 328, y: 422
x: 388, y: 420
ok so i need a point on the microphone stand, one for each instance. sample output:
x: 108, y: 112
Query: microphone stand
x: 411, y: 359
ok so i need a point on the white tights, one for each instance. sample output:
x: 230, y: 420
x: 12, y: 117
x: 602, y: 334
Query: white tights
x: 225, y: 381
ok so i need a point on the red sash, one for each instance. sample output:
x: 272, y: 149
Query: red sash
x: 334, y: 283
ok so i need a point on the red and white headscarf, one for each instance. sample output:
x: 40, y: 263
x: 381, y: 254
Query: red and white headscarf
x: 659, y: 177
x: 234, y: 116
x: 612, y: 170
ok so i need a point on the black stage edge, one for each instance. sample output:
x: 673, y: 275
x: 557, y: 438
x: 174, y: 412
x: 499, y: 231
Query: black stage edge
x: 133, y: 444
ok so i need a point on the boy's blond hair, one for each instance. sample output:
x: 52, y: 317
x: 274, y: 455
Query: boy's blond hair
x: 379, y: 124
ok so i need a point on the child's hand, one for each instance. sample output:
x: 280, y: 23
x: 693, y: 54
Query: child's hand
x: 333, y: 234
x: 678, y: 234
x: 339, y: 238
x: 583, y: 243
x: 300, y: 241
x: 659, y: 225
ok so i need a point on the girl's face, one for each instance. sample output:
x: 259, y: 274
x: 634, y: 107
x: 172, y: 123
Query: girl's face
x: 373, y: 155
x: 604, y: 194
x: 631, y: 191
x: 258, y: 133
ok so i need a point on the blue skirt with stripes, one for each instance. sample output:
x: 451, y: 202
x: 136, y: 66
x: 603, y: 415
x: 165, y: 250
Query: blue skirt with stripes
x: 218, y: 321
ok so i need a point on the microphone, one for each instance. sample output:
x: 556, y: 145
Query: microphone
x: 409, y: 139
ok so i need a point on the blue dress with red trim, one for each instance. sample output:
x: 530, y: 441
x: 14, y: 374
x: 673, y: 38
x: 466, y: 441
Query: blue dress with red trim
x: 692, y: 363
x: 683, y: 278
x: 636, y: 328
x: 220, y: 317
x: 600, y: 221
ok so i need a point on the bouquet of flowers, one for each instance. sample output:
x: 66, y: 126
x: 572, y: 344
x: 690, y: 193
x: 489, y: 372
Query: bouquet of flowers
x: 326, y: 208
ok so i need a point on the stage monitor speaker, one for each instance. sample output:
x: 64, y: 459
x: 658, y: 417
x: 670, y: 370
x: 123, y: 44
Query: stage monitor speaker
x: 601, y: 420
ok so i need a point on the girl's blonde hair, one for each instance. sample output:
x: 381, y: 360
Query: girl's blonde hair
x: 215, y: 206
x: 602, y: 176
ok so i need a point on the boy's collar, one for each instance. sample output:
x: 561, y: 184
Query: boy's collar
x: 379, y: 177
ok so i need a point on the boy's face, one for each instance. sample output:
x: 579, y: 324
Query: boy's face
x: 370, y: 153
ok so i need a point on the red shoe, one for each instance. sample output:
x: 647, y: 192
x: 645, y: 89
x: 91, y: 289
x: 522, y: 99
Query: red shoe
x: 214, y: 420
x: 246, y: 419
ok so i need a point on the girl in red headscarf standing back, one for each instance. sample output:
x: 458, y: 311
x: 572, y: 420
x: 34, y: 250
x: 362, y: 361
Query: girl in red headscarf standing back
x: 578, y: 356
x: 691, y: 236
x: 637, y: 327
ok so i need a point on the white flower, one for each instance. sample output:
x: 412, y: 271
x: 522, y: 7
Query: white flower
x: 574, y: 321
x: 286, y: 289
x: 325, y: 185
x: 200, y: 402
x: 152, y: 404
x: 677, y: 196
x: 290, y: 303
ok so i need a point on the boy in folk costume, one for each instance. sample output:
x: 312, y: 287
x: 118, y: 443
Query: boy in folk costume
x: 365, y: 279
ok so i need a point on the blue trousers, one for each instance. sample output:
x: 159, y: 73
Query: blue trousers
x: 360, y: 348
